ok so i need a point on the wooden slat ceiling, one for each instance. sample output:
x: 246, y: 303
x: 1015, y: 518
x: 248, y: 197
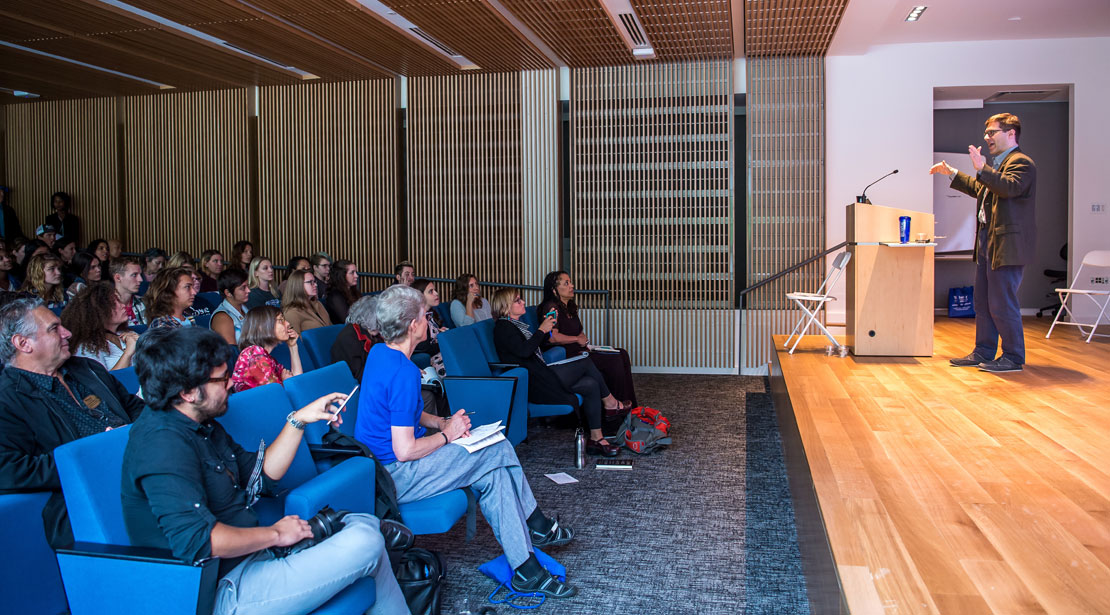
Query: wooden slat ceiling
x: 790, y: 27
x: 341, y: 40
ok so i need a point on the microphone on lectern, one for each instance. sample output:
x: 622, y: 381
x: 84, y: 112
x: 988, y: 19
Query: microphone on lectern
x: 863, y: 197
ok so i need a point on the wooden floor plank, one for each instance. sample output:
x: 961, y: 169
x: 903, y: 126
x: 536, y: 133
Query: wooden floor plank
x: 951, y: 490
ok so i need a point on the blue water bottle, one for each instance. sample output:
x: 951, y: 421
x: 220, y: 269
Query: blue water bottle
x: 904, y: 229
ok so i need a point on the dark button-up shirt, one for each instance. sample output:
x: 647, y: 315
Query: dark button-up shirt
x: 180, y: 478
x: 83, y: 410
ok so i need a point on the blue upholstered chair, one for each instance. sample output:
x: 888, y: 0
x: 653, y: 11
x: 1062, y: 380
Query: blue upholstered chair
x: 334, y: 378
x: 484, y: 332
x: 470, y: 384
x: 280, y: 353
x: 140, y: 329
x: 28, y: 566
x: 316, y: 346
x: 103, y: 573
x: 212, y: 297
x: 444, y: 311
x: 127, y: 378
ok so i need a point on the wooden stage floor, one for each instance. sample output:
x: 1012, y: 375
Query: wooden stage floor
x: 951, y: 490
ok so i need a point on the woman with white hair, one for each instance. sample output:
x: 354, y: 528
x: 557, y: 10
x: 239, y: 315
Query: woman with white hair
x: 392, y: 424
x: 355, y: 339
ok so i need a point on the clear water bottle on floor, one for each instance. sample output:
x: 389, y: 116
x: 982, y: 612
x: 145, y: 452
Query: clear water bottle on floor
x: 465, y: 610
x: 579, y: 449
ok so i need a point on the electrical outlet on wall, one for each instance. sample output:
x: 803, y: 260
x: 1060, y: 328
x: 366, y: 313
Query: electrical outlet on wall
x: 1100, y: 280
x: 1098, y: 208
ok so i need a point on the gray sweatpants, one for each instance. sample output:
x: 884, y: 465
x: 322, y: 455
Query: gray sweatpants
x: 495, y: 474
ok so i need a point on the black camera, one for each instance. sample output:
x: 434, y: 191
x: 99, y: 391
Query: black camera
x: 323, y: 524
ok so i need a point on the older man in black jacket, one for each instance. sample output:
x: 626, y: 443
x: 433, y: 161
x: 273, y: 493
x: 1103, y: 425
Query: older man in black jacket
x: 48, y: 398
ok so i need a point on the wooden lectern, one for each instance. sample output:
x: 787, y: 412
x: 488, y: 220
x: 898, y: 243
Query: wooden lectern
x: 890, y: 285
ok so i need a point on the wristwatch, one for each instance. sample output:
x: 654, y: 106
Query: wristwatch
x: 294, y: 422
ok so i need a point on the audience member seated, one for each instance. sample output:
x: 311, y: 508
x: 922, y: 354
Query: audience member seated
x: 435, y: 326
x: 154, y: 260
x: 302, y: 309
x: 355, y: 339
x: 211, y: 266
x: 48, y: 399
x: 8, y: 281
x: 99, y: 249
x: 227, y: 320
x: 169, y: 299
x: 468, y: 306
x: 263, y: 329
x: 321, y: 271
x: 65, y: 223
x: 10, y: 229
x: 201, y: 305
x: 260, y: 279
x: 115, y: 249
x: 241, y: 255
x: 47, y: 235
x: 127, y: 275
x: 173, y: 500
x: 552, y: 384
x: 404, y: 273
x: 44, y: 280
x: 86, y: 267
x: 66, y: 248
x: 342, y: 290
x: 21, y: 250
x: 97, y: 321
x: 558, y: 295
x: 297, y: 263
x: 394, y: 427
x: 181, y: 258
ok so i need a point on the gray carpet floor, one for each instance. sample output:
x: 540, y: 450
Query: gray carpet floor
x: 704, y: 527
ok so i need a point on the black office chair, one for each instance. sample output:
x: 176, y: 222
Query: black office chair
x: 1057, y: 277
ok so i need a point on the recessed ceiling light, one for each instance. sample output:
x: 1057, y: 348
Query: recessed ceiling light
x: 1015, y: 19
x: 915, y: 13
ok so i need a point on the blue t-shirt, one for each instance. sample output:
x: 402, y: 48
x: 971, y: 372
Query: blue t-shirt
x: 389, y: 397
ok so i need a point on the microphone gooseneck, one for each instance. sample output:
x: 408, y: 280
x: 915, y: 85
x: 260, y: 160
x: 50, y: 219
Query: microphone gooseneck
x: 863, y: 197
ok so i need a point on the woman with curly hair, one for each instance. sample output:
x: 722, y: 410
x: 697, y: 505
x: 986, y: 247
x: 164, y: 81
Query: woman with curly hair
x: 44, y: 280
x: 263, y: 329
x: 241, y: 255
x: 342, y: 290
x: 170, y: 297
x: 94, y: 318
x: 87, y: 269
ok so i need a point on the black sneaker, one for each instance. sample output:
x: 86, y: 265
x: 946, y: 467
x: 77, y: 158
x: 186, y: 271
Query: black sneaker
x: 555, y: 537
x: 972, y: 360
x: 543, y: 583
x: 1000, y: 365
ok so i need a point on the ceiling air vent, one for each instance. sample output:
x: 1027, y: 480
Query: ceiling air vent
x: 628, y: 26
x: 433, y: 42
x: 1017, y: 96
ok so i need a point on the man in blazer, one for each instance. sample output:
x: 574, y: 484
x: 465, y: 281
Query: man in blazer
x: 48, y: 398
x: 1005, y: 241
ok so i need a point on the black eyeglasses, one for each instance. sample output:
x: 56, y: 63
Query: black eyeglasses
x: 993, y: 131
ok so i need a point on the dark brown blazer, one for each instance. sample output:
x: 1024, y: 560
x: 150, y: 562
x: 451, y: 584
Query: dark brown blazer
x: 1008, y: 194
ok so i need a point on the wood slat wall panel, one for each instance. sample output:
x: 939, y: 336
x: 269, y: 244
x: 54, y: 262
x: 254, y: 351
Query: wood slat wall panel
x: 328, y: 173
x: 465, y: 186
x: 652, y: 202
x: 186, y: 170
x: 540, y: 176
x: 786, y: 148
x: 69, y: 146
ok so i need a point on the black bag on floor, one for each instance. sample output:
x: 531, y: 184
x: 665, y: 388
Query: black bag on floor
x: 421, y: 574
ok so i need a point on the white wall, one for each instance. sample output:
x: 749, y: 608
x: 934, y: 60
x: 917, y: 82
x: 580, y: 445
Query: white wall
x: 879, y: 116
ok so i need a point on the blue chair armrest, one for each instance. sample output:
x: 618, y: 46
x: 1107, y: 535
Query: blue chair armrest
x: 29, y: 567
x: 435, y: 515
x: 489, y: 398
x: 118, y: 579
x: 347, y: 486
x: 551, y: 355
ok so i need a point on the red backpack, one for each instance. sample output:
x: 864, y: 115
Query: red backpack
x: 644, y: 430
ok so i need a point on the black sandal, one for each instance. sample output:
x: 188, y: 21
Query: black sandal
x: 555, y: 537
x: 544, y: 583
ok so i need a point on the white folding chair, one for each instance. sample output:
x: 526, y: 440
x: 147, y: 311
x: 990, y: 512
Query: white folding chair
x: 1094, y: 258
x: 811, y: 303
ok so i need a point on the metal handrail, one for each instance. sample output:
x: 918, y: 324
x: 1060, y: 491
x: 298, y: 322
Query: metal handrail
x: 793, y: 268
